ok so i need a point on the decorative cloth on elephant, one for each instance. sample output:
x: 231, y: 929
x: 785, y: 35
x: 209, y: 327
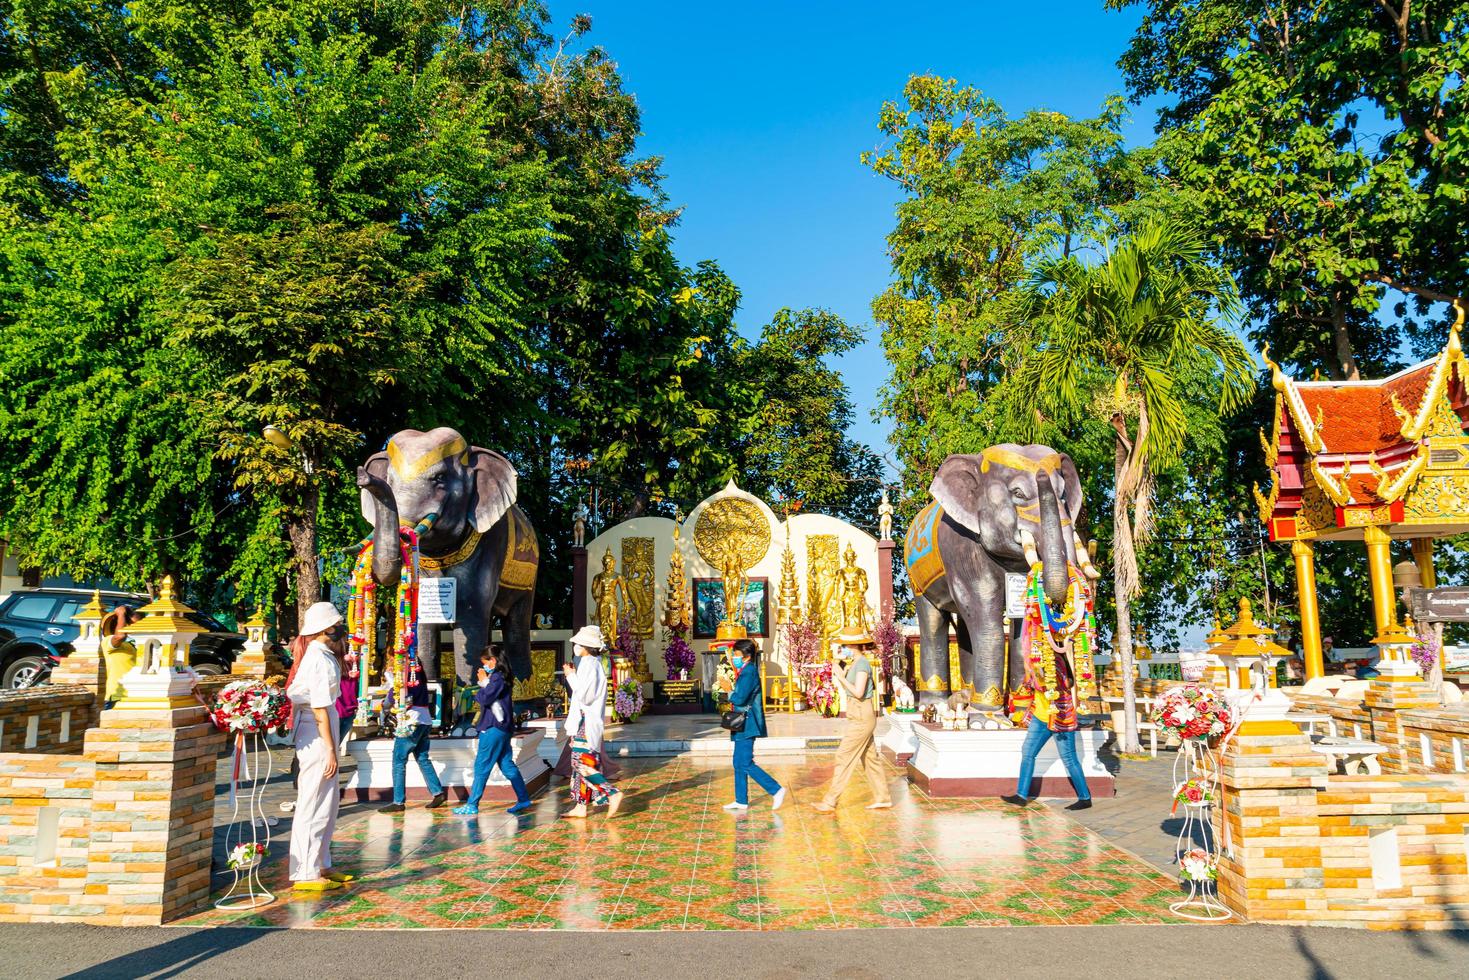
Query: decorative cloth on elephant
x: 920, y: 551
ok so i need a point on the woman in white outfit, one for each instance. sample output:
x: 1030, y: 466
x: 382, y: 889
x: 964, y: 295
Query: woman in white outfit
x: 584, y: 725
x: 313, y: 692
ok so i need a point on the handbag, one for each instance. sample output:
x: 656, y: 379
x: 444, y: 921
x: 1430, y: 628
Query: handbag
x: 733, y: 721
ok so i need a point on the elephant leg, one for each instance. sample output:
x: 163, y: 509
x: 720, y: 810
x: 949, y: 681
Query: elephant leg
x: 471, y: 638
x: 933, y: 651
x: 515, y: 628
x: 982, y: 607
x: 966, y: 657
x: 428, y: 649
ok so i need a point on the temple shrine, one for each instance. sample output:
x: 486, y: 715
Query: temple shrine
x: 1369, y: 461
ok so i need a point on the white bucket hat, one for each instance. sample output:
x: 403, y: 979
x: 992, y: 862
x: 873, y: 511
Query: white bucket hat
x: 320, y: 618
x: 589, y: 637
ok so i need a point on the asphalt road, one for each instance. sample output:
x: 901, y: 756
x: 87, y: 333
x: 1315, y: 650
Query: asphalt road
x: 1078, y: 952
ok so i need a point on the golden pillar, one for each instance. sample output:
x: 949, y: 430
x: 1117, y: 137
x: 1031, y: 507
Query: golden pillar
x: 1379, y: 569
x: 1423, y: 555
x: 1304, y: 553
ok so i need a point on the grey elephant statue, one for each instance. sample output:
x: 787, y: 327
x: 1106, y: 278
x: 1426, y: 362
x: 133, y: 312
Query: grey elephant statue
x: 475, y: 535
x: 1001, y: 511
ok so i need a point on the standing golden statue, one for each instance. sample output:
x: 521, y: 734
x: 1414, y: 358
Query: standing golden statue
x: 610, y: 597
x: 736, y: 584
x: 854, y: 593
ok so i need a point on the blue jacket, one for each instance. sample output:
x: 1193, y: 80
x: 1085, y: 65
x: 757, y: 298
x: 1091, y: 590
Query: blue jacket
x: 496, y: 692
x: 749, y: 696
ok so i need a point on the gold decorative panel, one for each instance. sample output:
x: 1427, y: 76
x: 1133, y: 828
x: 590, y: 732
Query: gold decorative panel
x: 1438, y: 496
x: 736, y: 518
x: 637, y: 572
x: 823, y: 587
x: 542, y: 679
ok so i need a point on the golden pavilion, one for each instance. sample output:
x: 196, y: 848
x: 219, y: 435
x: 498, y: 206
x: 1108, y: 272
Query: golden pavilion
x: 1368, y: 461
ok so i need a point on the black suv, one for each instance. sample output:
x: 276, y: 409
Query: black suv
x: 39, y: 624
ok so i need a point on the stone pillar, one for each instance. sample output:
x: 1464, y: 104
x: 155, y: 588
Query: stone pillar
x: 1304, y: 553
x: 84, y: 666
x: 1397, y: 688
x: 885, y: 577
x: 1269, y: 779
x: 579, y: 589
x: 1379, y: 568
x: 152, y: 834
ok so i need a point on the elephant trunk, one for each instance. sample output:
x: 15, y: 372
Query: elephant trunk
x: 387, y: 560
x: 1053, y: 547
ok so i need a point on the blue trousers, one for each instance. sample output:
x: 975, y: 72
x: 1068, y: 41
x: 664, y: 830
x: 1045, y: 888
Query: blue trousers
x: 1036, y: 737
x: 745, y: 770
x: 415, y: 745
x: 495, y: 750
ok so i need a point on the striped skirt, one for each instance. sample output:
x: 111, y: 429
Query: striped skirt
x: 588, y: 784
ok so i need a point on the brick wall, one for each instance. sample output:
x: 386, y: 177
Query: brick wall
x: 1437, y: 739
x: 1381, y: 852
x: 46, y: 719
x: 119, y: 835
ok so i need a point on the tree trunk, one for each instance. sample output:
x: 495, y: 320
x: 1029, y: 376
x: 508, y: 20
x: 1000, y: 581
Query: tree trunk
x: 301, y: 528
x: 1122, y: 549
x: 1346, y: 355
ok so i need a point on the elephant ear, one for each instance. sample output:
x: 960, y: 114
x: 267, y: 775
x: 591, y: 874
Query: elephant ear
x: 1071, y: 493
x: 376, y: 465
x: 956, y: 487
x: 494, y: 487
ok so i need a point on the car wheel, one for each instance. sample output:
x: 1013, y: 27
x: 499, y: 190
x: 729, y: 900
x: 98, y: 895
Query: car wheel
x: 209, y: 669
x: 22, y: 672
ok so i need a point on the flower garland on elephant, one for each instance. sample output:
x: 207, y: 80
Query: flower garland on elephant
x: 1047, y: 634
x: 403, y: 661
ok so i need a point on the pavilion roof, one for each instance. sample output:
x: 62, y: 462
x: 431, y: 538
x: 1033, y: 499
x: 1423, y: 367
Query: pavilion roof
x: 1350, y: 454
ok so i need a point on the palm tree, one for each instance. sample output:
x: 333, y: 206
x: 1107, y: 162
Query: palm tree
x: 1126, y: 341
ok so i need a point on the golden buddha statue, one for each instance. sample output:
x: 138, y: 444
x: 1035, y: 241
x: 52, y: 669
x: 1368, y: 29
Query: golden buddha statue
x: 853, y: 593
x: 609, y: 597
x: 736, y: 584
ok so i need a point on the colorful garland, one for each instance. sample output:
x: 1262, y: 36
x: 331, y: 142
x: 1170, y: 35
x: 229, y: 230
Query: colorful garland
x: 403, y: 664
x: 1071, y: 633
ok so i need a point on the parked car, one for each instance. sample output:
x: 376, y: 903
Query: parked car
x: 39, y: 625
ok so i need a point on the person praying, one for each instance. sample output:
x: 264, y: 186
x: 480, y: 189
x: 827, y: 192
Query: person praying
x: 119, y: 653
x: 313, y: 689
x: 584, y: 726
x: 858, y: 747
x: 495, y: 725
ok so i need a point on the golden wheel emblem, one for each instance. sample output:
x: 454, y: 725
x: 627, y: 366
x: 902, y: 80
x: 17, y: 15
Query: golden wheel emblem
x: 737, y: 519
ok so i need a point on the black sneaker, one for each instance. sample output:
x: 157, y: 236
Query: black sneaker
x: 1016, y: 800
x: 438, y: 801
x: 391, y: 808
x: 1081, y: 805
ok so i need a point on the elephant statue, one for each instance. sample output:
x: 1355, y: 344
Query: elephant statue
x: 478, y: 537
x: 1003, y: 510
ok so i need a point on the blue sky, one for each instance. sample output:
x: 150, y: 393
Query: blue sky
x: 761, y: 111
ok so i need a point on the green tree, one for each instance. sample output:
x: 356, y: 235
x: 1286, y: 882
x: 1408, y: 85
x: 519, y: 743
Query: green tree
x: 1132, y: 340
x: 986, y: 196
x: 1327, y: 145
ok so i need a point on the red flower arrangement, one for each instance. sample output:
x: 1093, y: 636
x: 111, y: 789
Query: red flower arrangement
x: 1193, y: 712
x: 250, y: 707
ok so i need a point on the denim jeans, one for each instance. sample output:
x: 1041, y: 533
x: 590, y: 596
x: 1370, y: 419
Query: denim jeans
x: 745, y: 768
x: 495, y: 749
x: 415, y: 745
x: 1036, y: 737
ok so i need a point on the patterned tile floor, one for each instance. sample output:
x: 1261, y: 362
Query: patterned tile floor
x: 674, y: 859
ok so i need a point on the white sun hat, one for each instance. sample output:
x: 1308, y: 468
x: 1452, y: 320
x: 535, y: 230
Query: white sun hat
x: 589, y: 637
x: 320, y: 618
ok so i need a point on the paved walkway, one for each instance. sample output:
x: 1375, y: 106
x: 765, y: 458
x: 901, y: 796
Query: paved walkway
x: 675, y: 860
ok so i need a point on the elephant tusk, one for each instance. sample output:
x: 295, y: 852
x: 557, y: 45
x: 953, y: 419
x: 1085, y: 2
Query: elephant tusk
x: 1027, y: 541
x: 1084, y: 561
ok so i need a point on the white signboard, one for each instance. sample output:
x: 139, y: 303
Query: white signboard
x: 436, y: 600
x: 1014, y: 595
